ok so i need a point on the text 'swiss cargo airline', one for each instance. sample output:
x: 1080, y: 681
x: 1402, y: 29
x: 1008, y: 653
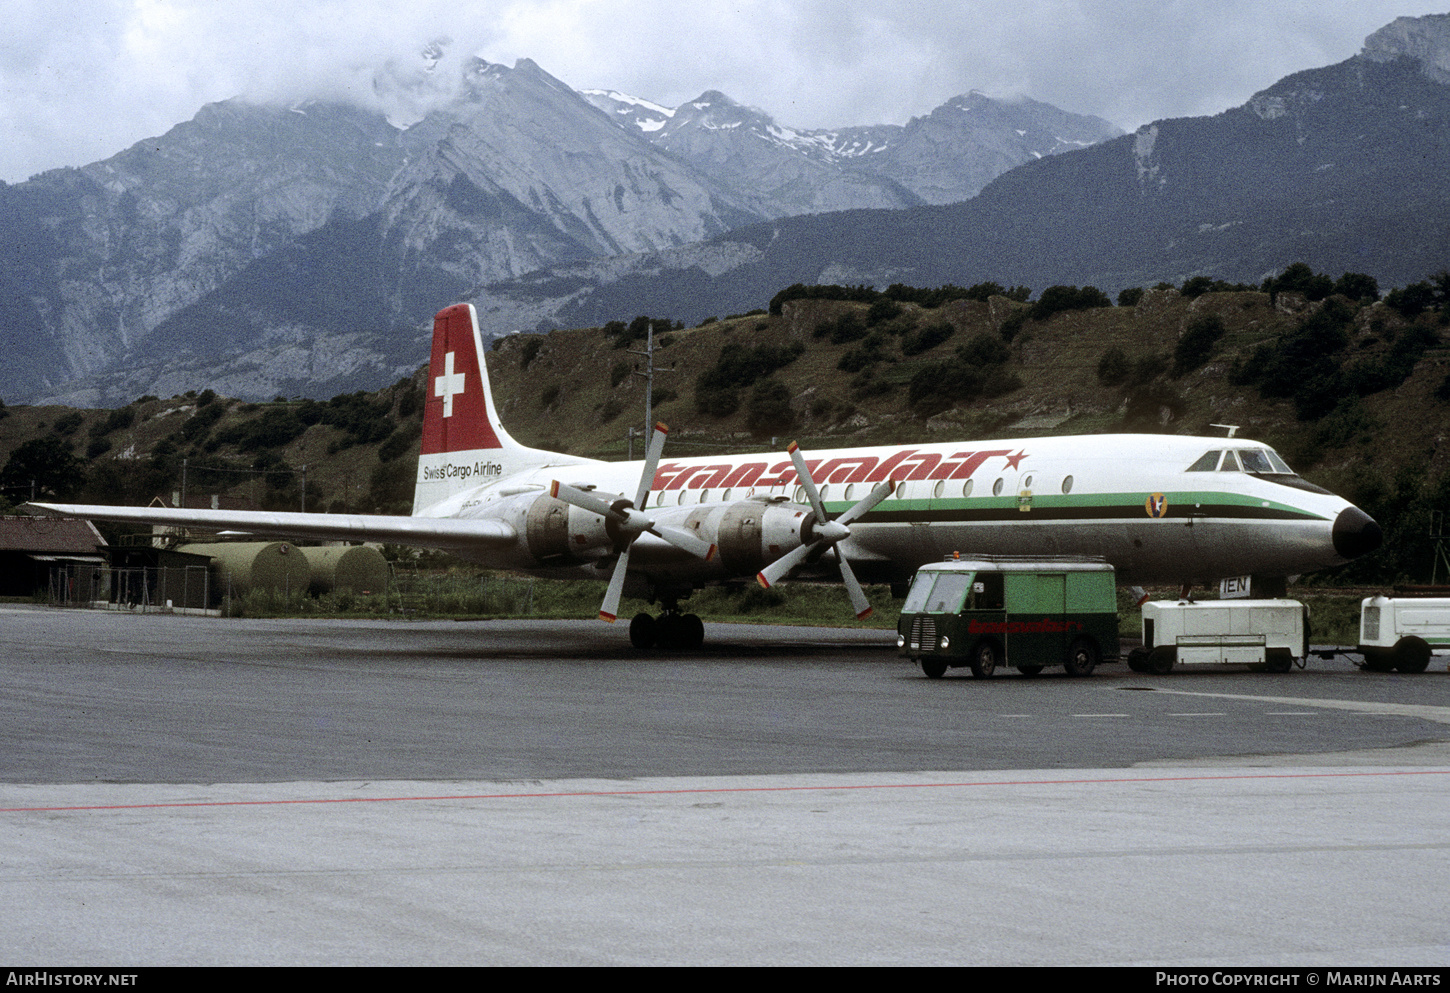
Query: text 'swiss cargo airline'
x: 1161, y: 508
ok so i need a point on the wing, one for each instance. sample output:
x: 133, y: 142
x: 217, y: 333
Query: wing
x: 425, y: 532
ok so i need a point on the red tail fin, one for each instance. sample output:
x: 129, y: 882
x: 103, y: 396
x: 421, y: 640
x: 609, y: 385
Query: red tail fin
x: 457, y: 417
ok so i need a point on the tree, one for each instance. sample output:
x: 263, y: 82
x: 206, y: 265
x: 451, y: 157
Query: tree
x: 45, y: 464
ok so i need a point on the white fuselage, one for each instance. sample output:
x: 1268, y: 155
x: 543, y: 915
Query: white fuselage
x: 1128, y: 498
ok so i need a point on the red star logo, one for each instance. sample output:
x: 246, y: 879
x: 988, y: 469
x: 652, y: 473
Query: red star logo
x: 1014, y: 460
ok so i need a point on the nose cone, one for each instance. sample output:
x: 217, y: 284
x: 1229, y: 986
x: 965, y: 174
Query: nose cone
x: 1356, y: 533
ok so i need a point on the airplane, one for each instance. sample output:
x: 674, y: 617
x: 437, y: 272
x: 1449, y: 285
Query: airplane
x: 1161, y: 508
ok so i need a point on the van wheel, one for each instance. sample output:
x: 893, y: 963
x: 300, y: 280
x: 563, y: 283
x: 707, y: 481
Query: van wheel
x: 1160, y: 662
x: 934, y: 668
x: 1082, y: 658
x: 984, y: 659
x: 1280, y: 660
x: 1412, y: 655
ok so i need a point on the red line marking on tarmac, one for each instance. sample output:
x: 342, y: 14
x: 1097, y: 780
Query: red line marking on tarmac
x: 731, y: 789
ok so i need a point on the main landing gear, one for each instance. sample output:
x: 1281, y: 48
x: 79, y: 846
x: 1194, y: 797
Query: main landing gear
x: 671, y: 629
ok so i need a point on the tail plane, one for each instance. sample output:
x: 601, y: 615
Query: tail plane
x: 464, y: 443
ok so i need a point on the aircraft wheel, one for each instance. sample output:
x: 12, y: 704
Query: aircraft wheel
x: 934, y: 668
x: 1030, y: 670
x: 692, y: 631
x: 984, y: 659
x: 1160, y: 662
x: 1412, y: 655
x: 1082, y: 658
x: 643, y: 631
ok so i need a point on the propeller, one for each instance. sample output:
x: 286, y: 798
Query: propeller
x: 826, y: 533
x: 630, y: 522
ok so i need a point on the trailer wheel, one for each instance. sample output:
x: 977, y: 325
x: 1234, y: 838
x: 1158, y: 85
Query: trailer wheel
x: 934, y: 668
x: 1280, y: 660
x: 1378, y: 660
x: 1412, y: 655
x: 984, y: 659
x: 1160, y: 662
x: 1082, y: 657
x: 1138, y: 660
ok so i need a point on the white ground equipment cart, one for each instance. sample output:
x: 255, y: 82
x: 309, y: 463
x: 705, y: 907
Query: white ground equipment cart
x: 1401, y: 632
x: 1268, y: 633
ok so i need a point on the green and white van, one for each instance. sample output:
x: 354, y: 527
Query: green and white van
x: 1005, y: 610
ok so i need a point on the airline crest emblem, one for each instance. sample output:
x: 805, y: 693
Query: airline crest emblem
x: 1156, y: 505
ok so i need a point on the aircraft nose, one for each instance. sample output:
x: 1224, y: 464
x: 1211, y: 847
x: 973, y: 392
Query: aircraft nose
x: 1356, y: 533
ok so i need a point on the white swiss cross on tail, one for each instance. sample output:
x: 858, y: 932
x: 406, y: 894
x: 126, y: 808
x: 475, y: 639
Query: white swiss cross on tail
x: 449, y: 385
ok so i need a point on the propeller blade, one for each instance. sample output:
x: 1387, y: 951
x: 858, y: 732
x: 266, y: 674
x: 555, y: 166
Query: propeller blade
x: 585, y: 500
x: 803, y: 472
x: 868, y: 504
x: 685, y: 539
x: 609, y: 610
x: 859, y: 603
x: 651, y: 464
x: 774, y: 572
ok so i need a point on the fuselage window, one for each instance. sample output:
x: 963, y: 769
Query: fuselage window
x: 1027, y: 483
x: 967, y: 488
x: 1207, y: 462
x: 997, y: 487
x: 938, y: 489
x: 1066, y: 484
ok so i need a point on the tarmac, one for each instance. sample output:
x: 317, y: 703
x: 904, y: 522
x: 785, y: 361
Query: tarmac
x: 1279, y: 864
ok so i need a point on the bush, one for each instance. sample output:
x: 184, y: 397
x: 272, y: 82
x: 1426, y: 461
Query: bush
x: 1056, y: 299
x: 1196, y: 345
x: 1113, y: 367
x: 770, y: 411
x: 927, y: 338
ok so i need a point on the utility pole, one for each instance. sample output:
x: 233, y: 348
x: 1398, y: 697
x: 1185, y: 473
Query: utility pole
x: 649, y: 378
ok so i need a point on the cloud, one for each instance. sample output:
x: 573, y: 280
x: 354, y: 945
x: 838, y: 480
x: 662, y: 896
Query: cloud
x: 81, y: 81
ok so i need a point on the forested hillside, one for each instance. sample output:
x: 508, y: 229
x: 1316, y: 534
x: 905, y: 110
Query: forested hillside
x: 1352, y: 389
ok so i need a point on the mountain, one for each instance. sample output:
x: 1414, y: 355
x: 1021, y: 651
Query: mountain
x: 1341, y: 167
x: 266, y: 250
x: 946, y: 156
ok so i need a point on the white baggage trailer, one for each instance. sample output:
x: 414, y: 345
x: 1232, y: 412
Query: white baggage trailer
x: 1270, y: 633
x: 1401, y: 632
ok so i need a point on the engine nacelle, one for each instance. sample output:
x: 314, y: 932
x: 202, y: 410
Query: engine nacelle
x: 557, y: 533
x: 748, y: 534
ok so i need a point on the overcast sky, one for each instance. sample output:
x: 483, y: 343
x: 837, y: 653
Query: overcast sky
x: 81, y: 80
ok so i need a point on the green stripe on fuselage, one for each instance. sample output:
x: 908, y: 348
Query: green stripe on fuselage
x: 1089, y: 507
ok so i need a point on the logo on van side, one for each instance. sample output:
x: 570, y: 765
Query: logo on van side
x: 1045, y: 626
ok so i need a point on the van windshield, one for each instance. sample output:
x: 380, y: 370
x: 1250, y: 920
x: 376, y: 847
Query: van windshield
x: 949, y: 592
x: 920, y: 590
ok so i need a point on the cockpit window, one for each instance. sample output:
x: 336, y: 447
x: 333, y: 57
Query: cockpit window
x: 1255, y: 460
